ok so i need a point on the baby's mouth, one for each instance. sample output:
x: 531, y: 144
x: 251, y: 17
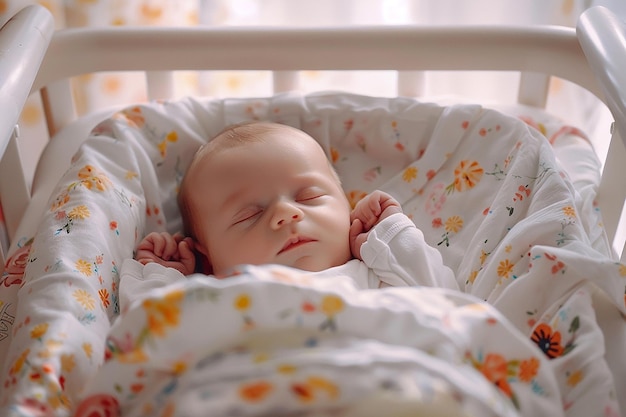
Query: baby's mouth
x: 295, y: 242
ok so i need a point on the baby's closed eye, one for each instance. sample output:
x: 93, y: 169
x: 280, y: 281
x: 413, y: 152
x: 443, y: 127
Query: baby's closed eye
x: 248, y: 213
x: 310, y: 194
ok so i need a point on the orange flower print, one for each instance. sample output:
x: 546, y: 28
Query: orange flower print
x: 104, y: 297
x: 334, y: 154
x: 164, y: 312
x: 133, y: 116
x: 569, y: 211
x: 255, y: 391
x: 466, y: 175
x: 528, y: 369
x: 548, y: 341
x: 60, y: 200
x: 90, y: 177
x: 494, y: 368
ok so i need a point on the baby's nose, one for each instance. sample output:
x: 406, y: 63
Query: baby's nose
x: 285, y: 214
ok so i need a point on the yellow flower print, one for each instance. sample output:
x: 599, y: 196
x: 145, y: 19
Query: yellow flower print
x: 355, y: 196
x: 331, y: 305
x: 88, y: 349
x: 164, y: 312
x: 19, y: 362
x: 454, y: 224
x: 409, y: 174
x: 170, y: 137
x: 131, y: 175
x: 60, y: 200
x: 84, y: 299
x: 90, y: 177
x: 323, y: 384
x: 574, y: 378
x: 67, y: 362
x: 569, y: 211
x: 622, y: 270
x: 84, y: 267
x: 505, y: 268
x: 466, y: 175
x: 483, y: 256
x: 242, y: 302
x: 79, y: 212
x: 179, y: 368
x: 472, y: 277
x: 39, y: 330
x: 286, y: 369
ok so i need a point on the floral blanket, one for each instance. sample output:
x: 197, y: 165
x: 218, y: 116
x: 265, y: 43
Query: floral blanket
x: 274, y: 341
x: 538, y: 325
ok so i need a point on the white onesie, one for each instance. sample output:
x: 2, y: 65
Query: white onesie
x: 394, y: 255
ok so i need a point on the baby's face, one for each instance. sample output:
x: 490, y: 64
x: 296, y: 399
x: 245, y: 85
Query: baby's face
x: 276, y: 202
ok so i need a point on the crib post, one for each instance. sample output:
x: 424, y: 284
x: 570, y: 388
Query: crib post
x: 533, y: 89
x: 13, y: 184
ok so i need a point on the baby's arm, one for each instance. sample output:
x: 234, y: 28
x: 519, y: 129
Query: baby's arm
x: 368, y: 212
x: 171, y: 251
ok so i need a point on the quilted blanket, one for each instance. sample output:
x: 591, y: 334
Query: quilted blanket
x: 524, y: 336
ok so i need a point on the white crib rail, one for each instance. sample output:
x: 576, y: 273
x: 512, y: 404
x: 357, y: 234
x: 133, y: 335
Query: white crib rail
x: 23, y: 42
x: 603, y: 38
x: 540, y: 51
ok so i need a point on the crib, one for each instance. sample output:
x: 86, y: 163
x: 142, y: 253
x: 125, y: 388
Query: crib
x: 48, y: 362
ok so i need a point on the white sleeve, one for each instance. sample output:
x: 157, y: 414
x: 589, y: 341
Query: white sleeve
x: 136, y: 280
x: 397, y: 252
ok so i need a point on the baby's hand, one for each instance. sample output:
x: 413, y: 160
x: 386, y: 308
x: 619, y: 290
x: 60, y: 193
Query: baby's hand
x: 171, y: 251
x: 368, y: 212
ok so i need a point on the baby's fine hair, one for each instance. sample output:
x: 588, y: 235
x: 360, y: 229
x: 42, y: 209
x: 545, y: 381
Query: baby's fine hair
x: 230, y: 137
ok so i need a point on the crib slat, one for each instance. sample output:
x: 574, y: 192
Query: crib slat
x: 411, y: 83
x: 533, y: 89
x: 612, y: 193
x: 160, y: 85
x: 284, y: 81
x: 58, y: 105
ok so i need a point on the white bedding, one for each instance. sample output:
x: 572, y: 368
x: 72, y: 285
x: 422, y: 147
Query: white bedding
x: 483, y: 187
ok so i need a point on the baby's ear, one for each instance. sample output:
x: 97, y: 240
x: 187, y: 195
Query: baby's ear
x: 203, y: 261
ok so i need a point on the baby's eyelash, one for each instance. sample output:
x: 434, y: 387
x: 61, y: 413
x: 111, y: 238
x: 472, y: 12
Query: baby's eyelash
x: 247, y: 216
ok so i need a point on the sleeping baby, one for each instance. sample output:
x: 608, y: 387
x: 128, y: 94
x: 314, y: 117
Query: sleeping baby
x: 265, y: 193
